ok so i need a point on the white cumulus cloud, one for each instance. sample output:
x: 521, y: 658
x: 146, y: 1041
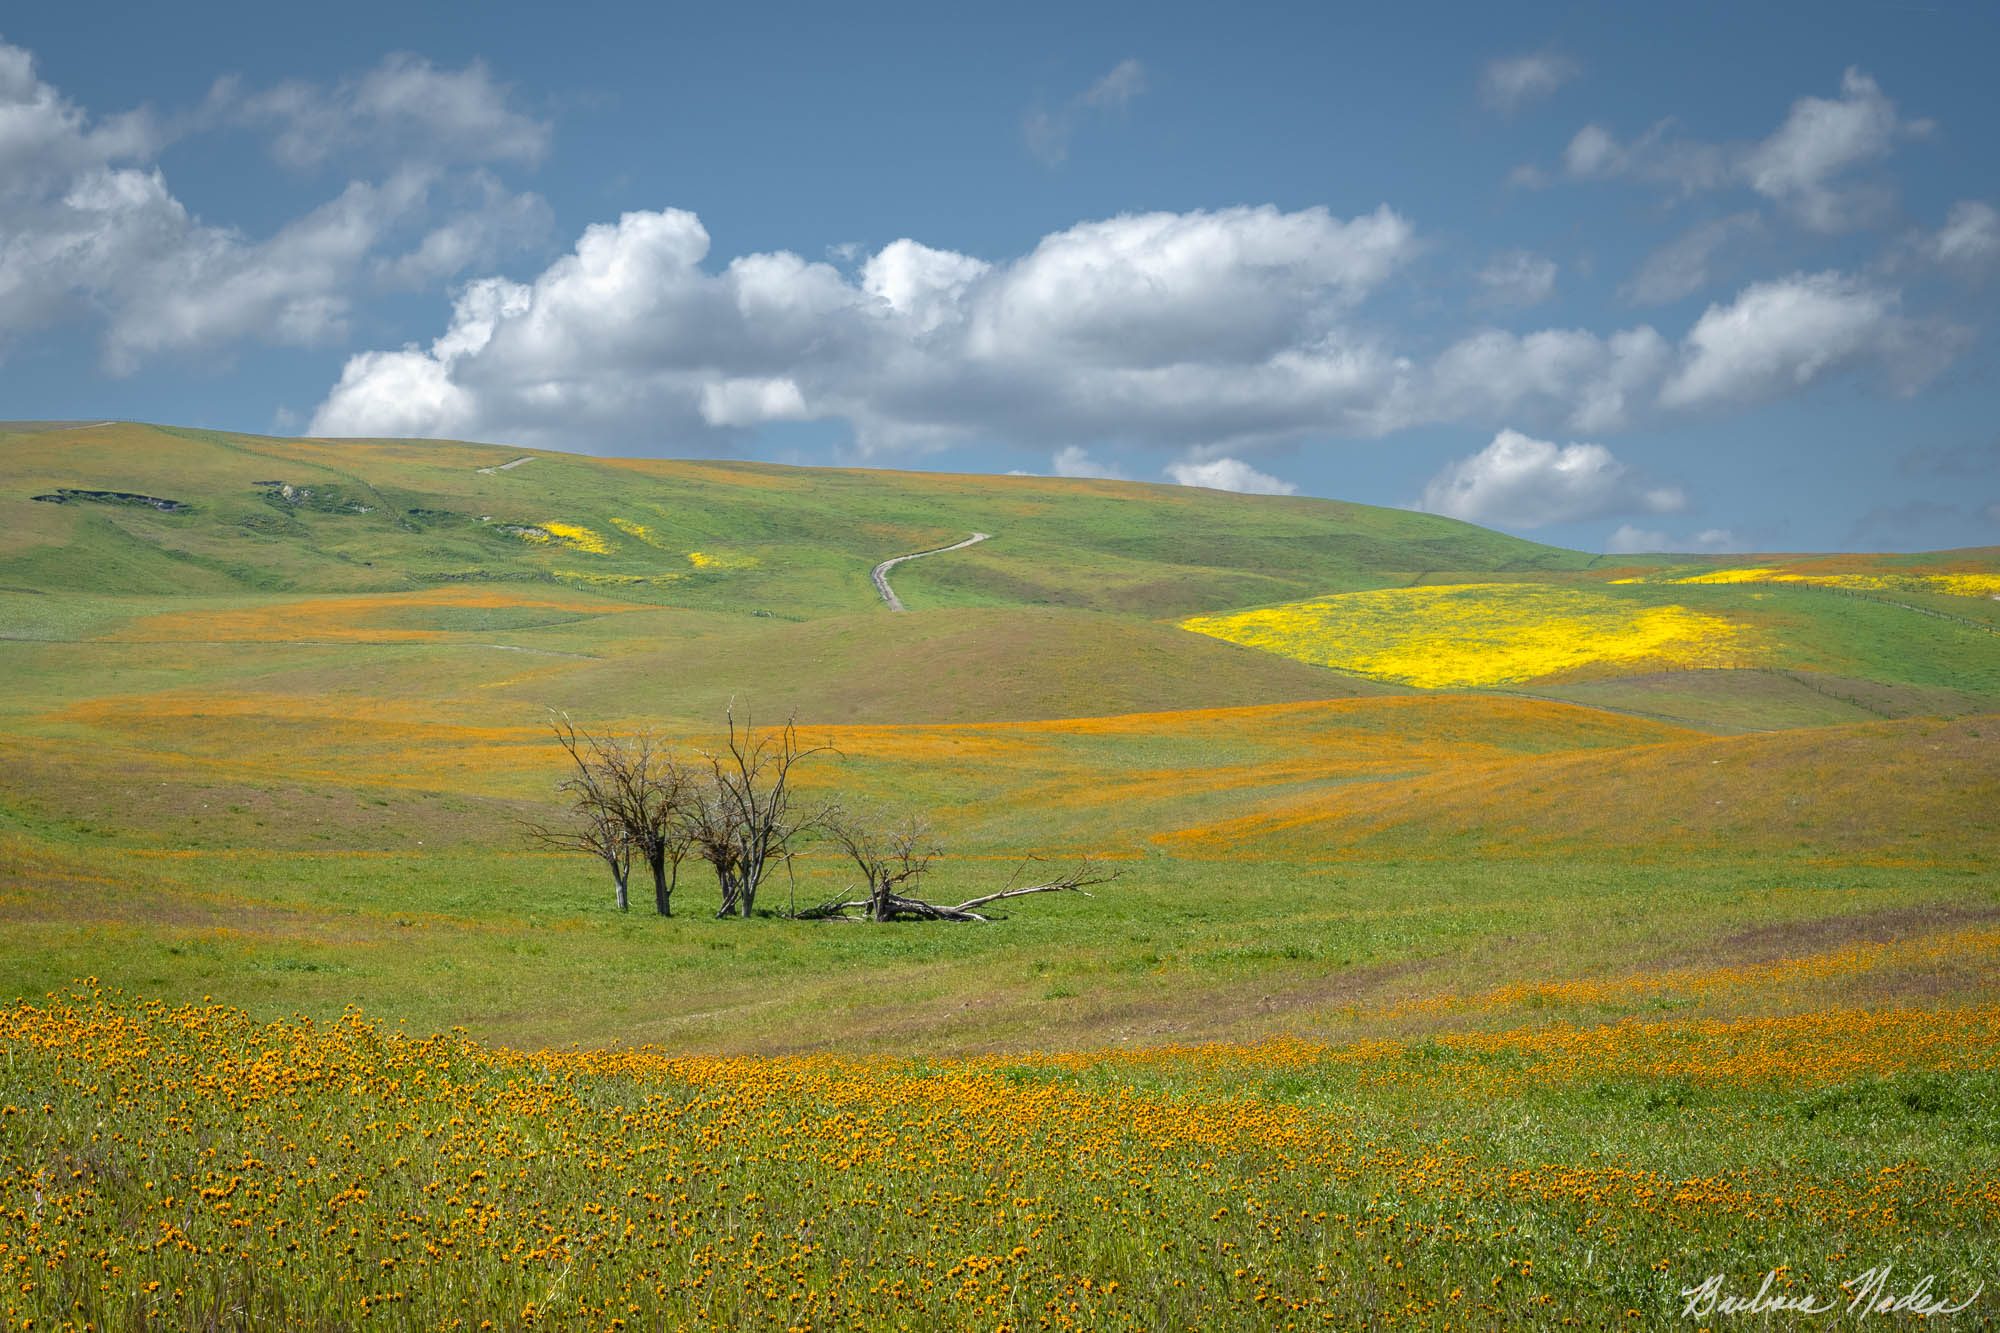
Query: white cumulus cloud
x: 1228, y: 474
x: 1075, y: 461
x: 1778, y: 336
x: 1521, y: 482
x: 91, y: 230
x: 404, y: 109
x: 1216, y: 331
x: 1802, y: 163
x: 1588, y: 382
x: 1178, y: 329
x: 1806, y: 165
x: 1631, y: 540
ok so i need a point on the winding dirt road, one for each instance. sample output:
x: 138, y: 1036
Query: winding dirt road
x: 881, y: 574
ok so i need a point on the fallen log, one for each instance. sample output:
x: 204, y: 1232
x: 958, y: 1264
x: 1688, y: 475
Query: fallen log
x: 895, y: 907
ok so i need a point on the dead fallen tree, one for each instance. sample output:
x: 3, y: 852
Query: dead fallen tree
x: 893, y: 861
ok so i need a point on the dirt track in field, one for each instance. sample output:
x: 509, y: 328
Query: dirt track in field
x: 881, y: 573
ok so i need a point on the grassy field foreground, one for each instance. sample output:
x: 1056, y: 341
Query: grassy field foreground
x: 190, y: 1167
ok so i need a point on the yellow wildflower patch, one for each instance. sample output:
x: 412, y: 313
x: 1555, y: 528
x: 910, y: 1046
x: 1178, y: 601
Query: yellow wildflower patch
x: 1967, y: 585
x: 720, y: 560
x: 1731, y: 576
x: 1456, y: 636
x: 1954, y: 584
x: 578, y: 538
x: 634, y: 528
x: 589, y: 579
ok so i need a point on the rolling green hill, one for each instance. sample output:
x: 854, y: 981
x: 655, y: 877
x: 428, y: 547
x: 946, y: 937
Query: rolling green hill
x: 685, y: 583
x: 277, y: 515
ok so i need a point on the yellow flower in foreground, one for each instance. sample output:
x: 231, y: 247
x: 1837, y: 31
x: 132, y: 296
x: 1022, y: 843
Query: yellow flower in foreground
x: 1456, y: 636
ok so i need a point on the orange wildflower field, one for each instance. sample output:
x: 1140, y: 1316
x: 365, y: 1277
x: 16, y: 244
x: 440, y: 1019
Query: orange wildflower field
x: 187, y: 1166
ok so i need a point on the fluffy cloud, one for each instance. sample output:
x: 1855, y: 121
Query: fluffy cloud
x: 405, y: 109
x: 45, y: 137
x: 924, y: 286
x: 1181, y: 329
x: 1686, y: 264
x: 488, y: 222
x: 1161, y: 289
x: 1048, y: 132
x: 1630, y: 540
x: 1778, y: 336
x: 1521, y: 482
x: 1587, y: 382
x: 178, y: 286
x: 1804, y: 165
x: 1801, y: 164
x: 1228, y: 474
x: 1656, y: 157
x: 1216, y: 331
x: 1075, y: 461
x: 88, y: 228
x: 1508, y: 85
x: 1517, y: 278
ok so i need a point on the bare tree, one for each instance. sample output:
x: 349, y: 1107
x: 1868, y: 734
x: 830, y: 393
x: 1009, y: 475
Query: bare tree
x: 657, y: 796
x: 891, y: 859
x: 629, y: 799
x: 596, y: 822
x: 749, y: 813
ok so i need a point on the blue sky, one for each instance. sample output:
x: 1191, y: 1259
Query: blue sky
x: 1687, y: 277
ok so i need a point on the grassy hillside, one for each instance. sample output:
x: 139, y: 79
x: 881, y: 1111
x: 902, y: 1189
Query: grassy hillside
x: 1079, y: 604
x: 794, y: 542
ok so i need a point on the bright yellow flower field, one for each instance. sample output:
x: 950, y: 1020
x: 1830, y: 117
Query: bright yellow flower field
x: 578, y: 537
x: 1952, y: 584
x: 1458, y: 636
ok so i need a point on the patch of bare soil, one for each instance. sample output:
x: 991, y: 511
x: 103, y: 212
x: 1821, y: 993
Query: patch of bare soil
x: 1800, y: 939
